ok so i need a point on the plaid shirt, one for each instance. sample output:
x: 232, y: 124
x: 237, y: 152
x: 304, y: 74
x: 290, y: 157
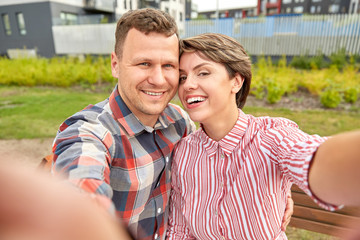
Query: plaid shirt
x: 105, y: 149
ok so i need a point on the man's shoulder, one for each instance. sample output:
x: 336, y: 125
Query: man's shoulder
x: 174, y: 111
x: 91, y: 114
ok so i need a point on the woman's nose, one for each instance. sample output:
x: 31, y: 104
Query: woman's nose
x: 190, y: 83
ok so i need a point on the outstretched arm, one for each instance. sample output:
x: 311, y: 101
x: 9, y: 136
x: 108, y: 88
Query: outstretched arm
x: 335, y: 171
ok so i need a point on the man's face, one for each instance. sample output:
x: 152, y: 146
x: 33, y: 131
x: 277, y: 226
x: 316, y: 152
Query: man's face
x: 147, y: 73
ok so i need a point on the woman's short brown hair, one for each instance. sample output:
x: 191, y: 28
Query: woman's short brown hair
x: 145, y: 20
x: 225, y: 50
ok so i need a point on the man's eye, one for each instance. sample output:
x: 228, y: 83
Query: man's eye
x: 168, y: 66
x: 144, y: 64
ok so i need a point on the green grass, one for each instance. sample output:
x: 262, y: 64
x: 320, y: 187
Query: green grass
x: 37, y: 112
x: 321, y: 122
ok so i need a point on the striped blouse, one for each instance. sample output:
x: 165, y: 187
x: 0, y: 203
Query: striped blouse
x: 236, y: 188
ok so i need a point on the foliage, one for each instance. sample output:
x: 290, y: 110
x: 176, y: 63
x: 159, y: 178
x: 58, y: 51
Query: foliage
x: 332, y: 84
x: 339, y: 58
x: 330, y: 98
x: 58, y: 71
x: 270, y: 81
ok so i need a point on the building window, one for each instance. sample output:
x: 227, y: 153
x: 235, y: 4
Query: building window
x: 125, y: 7
x: 334, y: 8
x: 288, y: 10
x: 316, y: 0
x: 180, y: 16
x: 130, y: 4
x: 312, y: 9
x: 318, y: 9
x: 167, y: 9
x: 21, y: 23
x: 286, y: 1
x: 299, y: 9
x: 6, y: 21
x: 68, y: 18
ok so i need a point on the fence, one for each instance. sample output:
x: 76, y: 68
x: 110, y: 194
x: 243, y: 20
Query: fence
x: 287, y: 35
x: 271, y: 36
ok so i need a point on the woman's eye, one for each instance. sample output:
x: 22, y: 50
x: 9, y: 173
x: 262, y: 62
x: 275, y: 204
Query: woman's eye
x: 203, y: 73
x: 182, y: 78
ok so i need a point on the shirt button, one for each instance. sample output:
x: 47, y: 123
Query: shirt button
x: 167, y: 159
x: 156, y: 236
x: 222, y: 156
x: 159, y: 210
x: 216, y: 213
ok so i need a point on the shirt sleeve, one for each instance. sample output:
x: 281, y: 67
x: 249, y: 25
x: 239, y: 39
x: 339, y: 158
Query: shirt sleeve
x: 177, y: 224
x: 81, y: 154
x: 293, y: 150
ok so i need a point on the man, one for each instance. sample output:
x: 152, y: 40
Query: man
x: 122, y: 147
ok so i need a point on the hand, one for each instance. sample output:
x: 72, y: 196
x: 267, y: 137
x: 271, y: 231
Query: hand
x: 289, y: 210
x: 34, y: 206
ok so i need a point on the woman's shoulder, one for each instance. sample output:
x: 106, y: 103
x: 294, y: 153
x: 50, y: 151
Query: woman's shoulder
x: 266, y: 122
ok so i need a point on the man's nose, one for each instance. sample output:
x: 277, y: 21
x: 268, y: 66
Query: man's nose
x: 157, y: 76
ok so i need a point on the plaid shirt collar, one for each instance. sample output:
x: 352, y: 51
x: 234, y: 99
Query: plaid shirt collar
x: 129, y: 121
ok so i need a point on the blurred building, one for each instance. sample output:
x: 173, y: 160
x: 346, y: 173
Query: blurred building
x: 271, y: 7
x: 231, y: 9
x: 28, y: 24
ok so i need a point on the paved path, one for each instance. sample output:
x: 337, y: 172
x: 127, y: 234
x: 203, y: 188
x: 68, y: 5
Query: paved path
x: 27, y: 152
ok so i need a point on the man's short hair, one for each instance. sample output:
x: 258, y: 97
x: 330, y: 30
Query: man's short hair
x: 145, y: 20
x: 225, y: 50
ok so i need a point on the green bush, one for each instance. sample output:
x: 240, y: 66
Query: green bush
x: 351, y: 95
x: 57, y: 71
x: 330, y: 98
x: 339, y: 59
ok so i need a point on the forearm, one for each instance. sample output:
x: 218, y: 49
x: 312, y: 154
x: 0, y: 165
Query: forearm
x: 335, y: 171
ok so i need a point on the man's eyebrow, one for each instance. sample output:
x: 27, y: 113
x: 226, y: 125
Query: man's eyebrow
x: 196, y: 67
x: 142, y: 59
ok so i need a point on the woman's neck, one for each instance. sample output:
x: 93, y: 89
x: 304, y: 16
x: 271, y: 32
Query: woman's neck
x: 218, y: 128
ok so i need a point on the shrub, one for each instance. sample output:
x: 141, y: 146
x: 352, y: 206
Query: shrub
x: 330, y: 98
x: 351, y: 95
x: 339, y: 58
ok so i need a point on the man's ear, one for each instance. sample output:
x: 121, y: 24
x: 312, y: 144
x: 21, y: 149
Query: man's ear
x: 238, y: 81
x: 114, y: 65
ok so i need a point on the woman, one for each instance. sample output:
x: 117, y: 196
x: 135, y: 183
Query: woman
x: 230, y: 178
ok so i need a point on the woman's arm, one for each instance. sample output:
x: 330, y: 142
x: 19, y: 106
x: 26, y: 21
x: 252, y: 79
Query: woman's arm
x: 334, y: 175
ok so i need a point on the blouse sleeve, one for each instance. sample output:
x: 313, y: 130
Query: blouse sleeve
x: 293, y: 150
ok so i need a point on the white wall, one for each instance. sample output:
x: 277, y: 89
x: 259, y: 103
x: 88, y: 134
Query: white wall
x: 84, y: 39
x: 176, y: 8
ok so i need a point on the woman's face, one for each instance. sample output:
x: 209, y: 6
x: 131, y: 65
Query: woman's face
x: 205, y: 89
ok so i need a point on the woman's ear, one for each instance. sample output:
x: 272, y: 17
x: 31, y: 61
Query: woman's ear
x: 238, y: 81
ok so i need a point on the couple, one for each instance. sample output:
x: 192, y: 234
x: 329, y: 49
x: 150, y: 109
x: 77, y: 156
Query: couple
x: 230, y: 179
